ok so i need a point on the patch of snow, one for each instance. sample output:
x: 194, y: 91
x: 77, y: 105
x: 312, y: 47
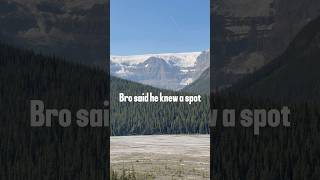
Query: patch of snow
x: 186, y: 81
x: 184, y: 70
x: 122, y: 72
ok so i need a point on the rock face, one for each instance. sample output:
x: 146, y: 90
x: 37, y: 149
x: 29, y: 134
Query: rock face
x: 76, y: 30
x: 169, y: 71
x: 249, y: 34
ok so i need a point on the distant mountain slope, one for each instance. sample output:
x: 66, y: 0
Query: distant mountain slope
x: 169, y: 71
x: 201, y: 85
x: 293, y: 75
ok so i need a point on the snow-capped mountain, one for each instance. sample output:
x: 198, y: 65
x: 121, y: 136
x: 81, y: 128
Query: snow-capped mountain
x: 169, y: 71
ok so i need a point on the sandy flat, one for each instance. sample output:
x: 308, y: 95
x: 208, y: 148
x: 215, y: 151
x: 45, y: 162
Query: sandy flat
x: 162, y: 156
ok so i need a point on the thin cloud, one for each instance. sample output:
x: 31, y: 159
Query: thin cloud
x: 175, y: 22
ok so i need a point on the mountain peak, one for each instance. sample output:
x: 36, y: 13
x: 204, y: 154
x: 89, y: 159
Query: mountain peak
x: 166, y: 70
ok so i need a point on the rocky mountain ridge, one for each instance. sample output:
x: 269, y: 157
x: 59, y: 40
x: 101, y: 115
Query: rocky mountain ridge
x: 171, y: 71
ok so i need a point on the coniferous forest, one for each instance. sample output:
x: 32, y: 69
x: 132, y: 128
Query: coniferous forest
x: 155, y: 118
x: 55, y: 152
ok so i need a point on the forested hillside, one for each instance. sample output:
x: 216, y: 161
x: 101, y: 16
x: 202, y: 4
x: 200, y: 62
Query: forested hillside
x: 288, y: 153
x: 53, y: 152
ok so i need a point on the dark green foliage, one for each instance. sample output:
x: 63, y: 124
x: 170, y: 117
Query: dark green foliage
x: 277, y: 153
x: 155, y: 118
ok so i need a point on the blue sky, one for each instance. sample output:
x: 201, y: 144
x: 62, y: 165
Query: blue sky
x: 159, y: 26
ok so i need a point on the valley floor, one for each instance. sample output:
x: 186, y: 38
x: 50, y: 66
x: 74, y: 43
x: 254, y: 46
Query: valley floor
x: 162, y: 156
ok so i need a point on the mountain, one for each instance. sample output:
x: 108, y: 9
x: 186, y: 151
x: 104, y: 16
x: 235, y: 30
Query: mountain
x: 74, y: 29
x: 249, y: 34
x: 169, y: 71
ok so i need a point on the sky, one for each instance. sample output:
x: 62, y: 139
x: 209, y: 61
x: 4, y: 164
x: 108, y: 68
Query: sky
x: 159, y: 26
